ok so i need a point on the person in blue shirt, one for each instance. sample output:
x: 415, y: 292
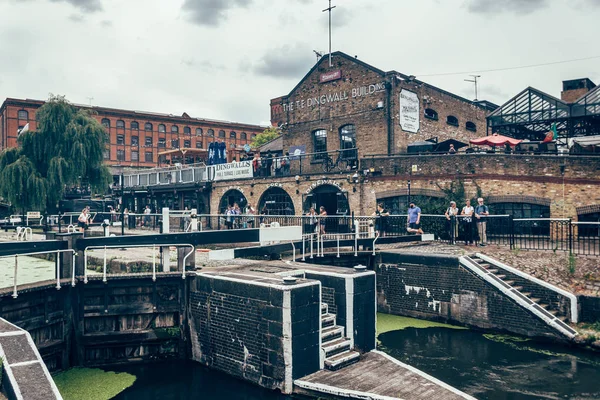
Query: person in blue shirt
x: 414, y: 219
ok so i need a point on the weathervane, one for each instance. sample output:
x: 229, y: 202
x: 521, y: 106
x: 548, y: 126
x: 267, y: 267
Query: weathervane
x: 329, y: 10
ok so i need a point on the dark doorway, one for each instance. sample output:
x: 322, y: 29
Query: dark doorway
x: 277, y: 202
x: 230, y: 197
x: 331, y: 197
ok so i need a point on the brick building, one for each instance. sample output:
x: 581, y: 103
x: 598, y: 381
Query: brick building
x: 137, y: 138
x: 355, y: 105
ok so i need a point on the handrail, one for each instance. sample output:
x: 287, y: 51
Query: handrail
x: 104, y: 275
x: 16, y: 256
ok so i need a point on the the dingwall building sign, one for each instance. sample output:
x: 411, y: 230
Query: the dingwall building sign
x: 334, y: 97
x: 234, y: 170
x: 409, y: 111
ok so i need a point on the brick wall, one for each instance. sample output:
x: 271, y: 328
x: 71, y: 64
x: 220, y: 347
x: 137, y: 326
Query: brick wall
x: 442, y: 290
x: 368, y: 98
x: 238, y: 327
x: 590, y: 309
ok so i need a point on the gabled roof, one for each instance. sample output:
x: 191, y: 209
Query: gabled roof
x: 530, y: 106
x: 325, y: 59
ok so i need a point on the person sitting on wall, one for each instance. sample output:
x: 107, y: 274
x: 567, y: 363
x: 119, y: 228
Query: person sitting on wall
x: 414, y: 219
x: 451, y: 150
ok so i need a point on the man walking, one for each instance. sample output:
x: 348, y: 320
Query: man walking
x: 481, y: 210
x: 414, y: 219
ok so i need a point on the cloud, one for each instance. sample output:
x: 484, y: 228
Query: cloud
x: 512, y: 6
x: 340, y: 17
x: 204, y: 65
x: 211, y: 12
x: 88, y: 6
x: 106, y: 23
x: 76, y: 18
x: 285, y: 62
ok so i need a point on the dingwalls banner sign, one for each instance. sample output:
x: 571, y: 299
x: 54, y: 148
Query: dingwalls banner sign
x: 234, y: 170
x: 409, y: 111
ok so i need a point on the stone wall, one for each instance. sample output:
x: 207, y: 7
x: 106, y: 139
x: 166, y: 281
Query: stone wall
x: 439, y: 288
x: 590, y: 309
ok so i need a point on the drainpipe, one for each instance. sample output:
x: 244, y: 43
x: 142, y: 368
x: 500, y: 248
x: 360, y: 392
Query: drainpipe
x: 388, y: 91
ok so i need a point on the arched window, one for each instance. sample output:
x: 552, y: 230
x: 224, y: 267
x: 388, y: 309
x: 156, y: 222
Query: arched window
x: 120, y: 124
x: 162, y: 128
x: 148, y: 126
x: 452, y: 120
x: 187, y: 130
x: 431, y: 114
x: 135, y: 126
x: 210, y: 132
x: 198, y: 131
x: 319, y: 144
x: 230, y: 198
x: 174, y: 129
x: 243, y: 136
x: 221, y: 133
x: 348, y: 141
x: 23, y: 114
x: 277, y: 202
x: 253, y: 136
x: 471, y: 126
x: 106, y: 122
x: 232, y: 135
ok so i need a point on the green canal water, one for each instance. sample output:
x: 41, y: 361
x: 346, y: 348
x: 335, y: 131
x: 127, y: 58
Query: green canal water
x: 29, y: 270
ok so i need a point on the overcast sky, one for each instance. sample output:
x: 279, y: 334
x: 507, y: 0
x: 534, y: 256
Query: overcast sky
x: 225, y: 59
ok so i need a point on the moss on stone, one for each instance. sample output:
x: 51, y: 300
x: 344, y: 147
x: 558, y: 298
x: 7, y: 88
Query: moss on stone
x: 388, y: 323
x: 91, y: 383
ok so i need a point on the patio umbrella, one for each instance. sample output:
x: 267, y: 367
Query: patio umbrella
x: 495, y: 140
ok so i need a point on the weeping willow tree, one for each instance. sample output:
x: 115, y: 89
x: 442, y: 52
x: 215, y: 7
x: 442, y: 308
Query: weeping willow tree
x: 66, y: 149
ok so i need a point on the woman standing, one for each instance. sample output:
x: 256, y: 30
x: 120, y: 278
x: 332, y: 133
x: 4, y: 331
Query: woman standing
x: 451, y: 214
x: 313, y: 220
x: 82, y: 221
x: 468, y: 222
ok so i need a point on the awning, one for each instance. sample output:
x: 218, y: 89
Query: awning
x: 445, y: 145
x: 586, y: 141
x: 495, y: 140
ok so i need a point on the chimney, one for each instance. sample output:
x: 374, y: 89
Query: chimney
x: 575, y: 88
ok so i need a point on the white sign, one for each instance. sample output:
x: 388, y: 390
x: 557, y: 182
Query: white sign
x: 318, y: 183
x: 409, y: 111
x: 276, y: 235
x: 33, y: 214
x: 234, y: 170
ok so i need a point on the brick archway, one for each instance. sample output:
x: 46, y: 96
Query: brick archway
x: 542, y: 201
x: 413, y: 192
x: 591, y: 209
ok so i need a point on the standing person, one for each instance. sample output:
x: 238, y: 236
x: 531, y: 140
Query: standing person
x: 452, y: 150
x: 277, y: 166
x: 381, y: 221
x: 451, y: 214
x: 467, y: 213
x: 147, y: 212
x: 236, y: 215
x: 256, y: 164
x: 250, y: 212
x: 414, y: 219
x: 285, y: 163
x: 269, y: 163
x: 481, y: 211
x: 229, y: 217
x: 322, y: 220
x: 313, y: 220
x: 82, y: 220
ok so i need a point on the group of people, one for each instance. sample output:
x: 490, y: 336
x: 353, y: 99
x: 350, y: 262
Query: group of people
x: 317, y: 221
x: 472, y: 218
x: 271, y: 165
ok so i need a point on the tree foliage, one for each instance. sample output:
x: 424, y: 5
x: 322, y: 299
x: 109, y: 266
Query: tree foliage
x: 266, y: 136
x: 66, y: 149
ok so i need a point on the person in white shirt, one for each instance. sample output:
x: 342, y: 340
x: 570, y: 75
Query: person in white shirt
x: 467, y: 213
x: 451, y: 214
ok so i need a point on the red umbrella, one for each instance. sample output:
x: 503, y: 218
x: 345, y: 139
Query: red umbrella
x: 495, y: 140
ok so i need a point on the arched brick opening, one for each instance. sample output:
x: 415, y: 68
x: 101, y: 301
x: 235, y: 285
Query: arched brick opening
x: 541, y: 201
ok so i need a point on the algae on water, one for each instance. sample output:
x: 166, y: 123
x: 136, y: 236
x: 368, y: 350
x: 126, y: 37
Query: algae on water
x: 91, y: 383
x: 388, y: 323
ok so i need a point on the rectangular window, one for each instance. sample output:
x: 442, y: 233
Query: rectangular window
x: 320, y: 144
x: 198, y: 144
x: 135, y: 156
x: 135, y: 141
x: 106, y: 154
x: 149, y: 157
x: 187, y: 144
x: 175, y: 143
x: 162, y: 143
x: 120, y: 139
x: 120, y: 155
x: 148, y: 141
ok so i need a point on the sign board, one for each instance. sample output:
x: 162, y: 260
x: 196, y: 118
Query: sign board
x: 409, y: 111
x: 280, y: 234
x: 415, y: 168
x: 330, y: 76
x: 297, y: 151
x: 33, y: 214
x: 247, y: 148
x: 231, y: 171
